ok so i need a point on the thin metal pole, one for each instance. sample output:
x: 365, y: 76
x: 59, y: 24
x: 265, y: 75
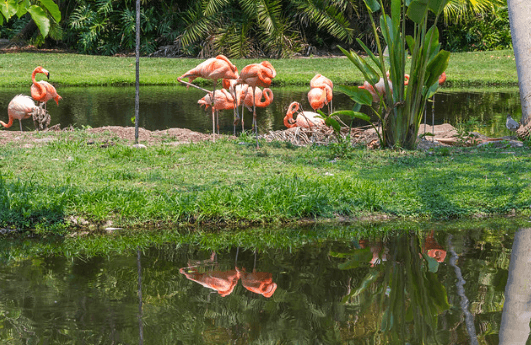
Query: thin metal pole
x: 137, y: 83
x: 140, y: 323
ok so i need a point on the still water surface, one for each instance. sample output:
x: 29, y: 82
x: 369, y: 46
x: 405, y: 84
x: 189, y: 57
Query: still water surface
x: 163, y: 107
x: 416, y: 287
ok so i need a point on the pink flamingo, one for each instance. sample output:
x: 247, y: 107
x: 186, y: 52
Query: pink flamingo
x: 21, y: 107
x: 256, y: 75
x: 223, y: 100
x: 305, y: 119
x: 216, y: 68
x: 43, y: 91
x: 379, y: 88
x: 258, y: 282
x: 321, y: 92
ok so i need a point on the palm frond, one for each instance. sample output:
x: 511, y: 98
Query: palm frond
x: 326, y: 17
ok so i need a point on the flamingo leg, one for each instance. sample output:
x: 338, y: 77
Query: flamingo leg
x: 20, y: 123
x: 255, y: 124
x: 213, y: 114
x: 243, y: 112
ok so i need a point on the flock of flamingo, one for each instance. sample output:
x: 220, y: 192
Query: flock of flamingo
x: 244, y: 89
x: 237, y: 89
x: 23, y: 107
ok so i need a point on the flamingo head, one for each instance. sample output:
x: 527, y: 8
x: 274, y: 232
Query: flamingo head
x: 289, y: 122
x: 39, y: 69
x: 268, y: 65
x: 442, y: 78
x: 206, y: 101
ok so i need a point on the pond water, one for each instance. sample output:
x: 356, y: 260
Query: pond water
x: 402, y: 286
x: 163, y: 107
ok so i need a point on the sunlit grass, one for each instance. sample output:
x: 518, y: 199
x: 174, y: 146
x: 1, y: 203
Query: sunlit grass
x: 48, y: 186
x: 496, y: 68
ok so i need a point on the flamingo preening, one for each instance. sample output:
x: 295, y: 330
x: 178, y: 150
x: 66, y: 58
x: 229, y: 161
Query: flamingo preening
x: 223, y: 100
x: 256, y: 75
x: 305, y: 119
x: 216, y: 68
x: 321, y: 92
x: 258, y: 282
x: 43, y: 91
x: 21, y: 107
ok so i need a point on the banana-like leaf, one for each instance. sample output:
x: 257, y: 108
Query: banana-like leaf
x: 368, y: 72
x: 329, y: 121
x: 437, y: 6
x: 39, y: 17
x: 352, y: 114
x: 373, y: 5
x: 436, y: 67
x: 396, y: 9
x: 357, y: 258
x: 416, y: 11
x: 410, y: 43
x: 369, y: 53
x: 371, y: 277
x: 358, y: 95
x: 1, y: 19
x: 431, y: 42
x: 8, y: 8
x: 53, y: 9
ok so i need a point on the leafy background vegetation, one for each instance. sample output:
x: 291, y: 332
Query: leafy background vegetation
x: 246, y: 28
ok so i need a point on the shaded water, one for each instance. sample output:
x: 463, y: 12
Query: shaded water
x: 164, y: 107
x: 399, y: 287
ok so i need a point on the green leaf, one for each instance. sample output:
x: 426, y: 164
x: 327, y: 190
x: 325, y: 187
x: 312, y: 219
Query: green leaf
x: 358, y: 95
x: 396, y: 9
x: 352, y: 114
x: 8, y: 8
x: 1, y: 19
x: 436, y: 6
x: 39, y: 17
x: 410, y: 43
x: 373, y: 5
x: 368, y: 72
x: 329, y: 121
x: 369, y: 53
x: 436, y: 66
x: 53, y: 9
x: 417, y: 11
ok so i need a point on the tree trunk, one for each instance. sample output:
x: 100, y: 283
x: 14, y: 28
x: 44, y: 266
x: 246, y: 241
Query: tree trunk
x: 514, y: 328
x: 520, y: 19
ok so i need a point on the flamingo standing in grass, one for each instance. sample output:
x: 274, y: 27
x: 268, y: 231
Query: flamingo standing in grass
x: 238, y: 92
x: 21, y: 107
x: 305, y: 119
x: 256, y: 75
x: 321, y: 92
x: 216, y: 68
x: 43, y: 91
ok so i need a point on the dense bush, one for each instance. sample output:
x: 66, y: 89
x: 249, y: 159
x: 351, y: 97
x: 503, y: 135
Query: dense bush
x: 488, y: 31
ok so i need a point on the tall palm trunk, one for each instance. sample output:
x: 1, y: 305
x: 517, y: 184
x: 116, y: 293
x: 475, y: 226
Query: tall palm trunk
x: 520, y: 19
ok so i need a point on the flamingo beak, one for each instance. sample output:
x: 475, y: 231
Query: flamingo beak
x: 48, y: 75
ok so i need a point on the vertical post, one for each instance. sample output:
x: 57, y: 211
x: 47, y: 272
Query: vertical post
x: 137, y: 82
x: 140, y: 323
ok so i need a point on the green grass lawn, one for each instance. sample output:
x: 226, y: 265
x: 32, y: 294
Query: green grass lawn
x: 496, y: 68
x: 68, y: 181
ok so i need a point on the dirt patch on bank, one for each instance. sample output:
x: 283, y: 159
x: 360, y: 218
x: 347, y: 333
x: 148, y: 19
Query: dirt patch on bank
x: 445, y: 135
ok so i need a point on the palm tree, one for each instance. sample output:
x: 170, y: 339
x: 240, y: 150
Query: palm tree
x: 457, y: 10
x: 240, y: 28
x: 519, y: 16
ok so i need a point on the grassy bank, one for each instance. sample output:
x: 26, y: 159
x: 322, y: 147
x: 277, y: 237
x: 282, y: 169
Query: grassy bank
x: 495, y: 68
x: 70, y: 178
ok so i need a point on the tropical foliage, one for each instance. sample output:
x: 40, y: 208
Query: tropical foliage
x: 236, y: 28
x: 42, y: 12
x: 400, y: 108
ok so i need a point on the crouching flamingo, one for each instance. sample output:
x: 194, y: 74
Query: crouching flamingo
x: 21, y: 107
x: 306, y: 119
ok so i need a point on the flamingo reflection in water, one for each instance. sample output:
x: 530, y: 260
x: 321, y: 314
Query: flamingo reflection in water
x: 224, y: 282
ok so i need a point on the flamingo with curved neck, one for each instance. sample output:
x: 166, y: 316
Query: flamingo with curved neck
x: 43, y: 91
x: 305, y: 119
